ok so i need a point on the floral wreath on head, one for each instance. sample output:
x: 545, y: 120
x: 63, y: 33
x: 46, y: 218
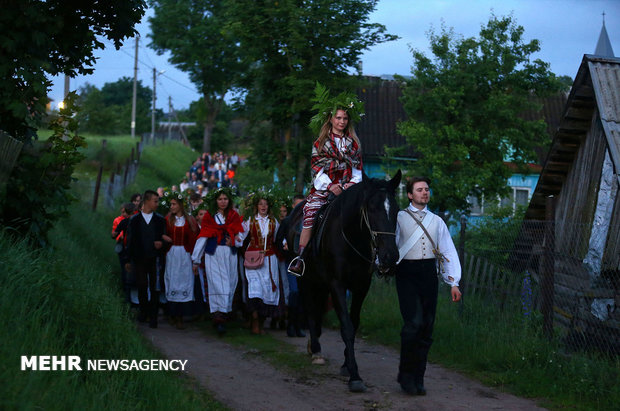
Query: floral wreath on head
x: 251, y: 202
x: 165, y: 201
x: 211, y: 198
x: 201, y: 206
x: 326, y: 106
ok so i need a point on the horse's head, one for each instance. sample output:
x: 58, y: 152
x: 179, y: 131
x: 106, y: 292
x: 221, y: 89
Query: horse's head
x: 381, y: 209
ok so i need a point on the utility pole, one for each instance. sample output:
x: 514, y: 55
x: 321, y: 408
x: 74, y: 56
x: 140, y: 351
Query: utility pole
x: 154, y: 98
x: 169, y: 117
x: 66, y: 87
x: 135, y: 90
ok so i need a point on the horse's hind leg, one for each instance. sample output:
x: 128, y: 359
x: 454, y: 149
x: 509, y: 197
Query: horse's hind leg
x: 347, y: 331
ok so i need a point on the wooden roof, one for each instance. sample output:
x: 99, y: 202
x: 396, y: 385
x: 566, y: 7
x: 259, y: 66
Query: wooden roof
x: 384, y: 111
x: 596, y: 88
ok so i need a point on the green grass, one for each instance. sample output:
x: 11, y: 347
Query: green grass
x: 66, y: 301
x: 502, y: 350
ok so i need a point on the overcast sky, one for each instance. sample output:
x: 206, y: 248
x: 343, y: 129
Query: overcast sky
x: 567, y: 29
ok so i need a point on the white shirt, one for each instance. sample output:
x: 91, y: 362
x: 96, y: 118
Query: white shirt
x: 451, y: 268
x: 201, y: 242
x: 322, y: 180
x: 263, y: 223
x: 147, y: 217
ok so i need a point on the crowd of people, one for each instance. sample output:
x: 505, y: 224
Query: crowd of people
x: 188, y: 250
x: 207, y: 255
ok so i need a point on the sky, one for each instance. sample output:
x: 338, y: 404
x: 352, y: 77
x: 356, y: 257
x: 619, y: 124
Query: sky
x: 567, y: 29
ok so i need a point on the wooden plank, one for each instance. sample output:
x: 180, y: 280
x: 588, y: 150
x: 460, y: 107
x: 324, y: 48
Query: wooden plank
x: 475, y: 276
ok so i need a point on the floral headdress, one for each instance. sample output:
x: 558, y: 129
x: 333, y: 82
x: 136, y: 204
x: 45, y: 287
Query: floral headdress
x: 326, y: 106
x: 164, y: 202
x: 211, y: 198
x: 251, y: 202
x: 202, y: 206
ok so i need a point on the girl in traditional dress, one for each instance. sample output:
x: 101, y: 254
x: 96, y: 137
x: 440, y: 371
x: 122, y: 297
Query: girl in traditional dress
x: 219, y: 229
x: 336, y: 157
x: 259, y: 231
x: 178, y: 276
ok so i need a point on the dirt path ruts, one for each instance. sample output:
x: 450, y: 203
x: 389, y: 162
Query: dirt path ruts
x: 242, y: 381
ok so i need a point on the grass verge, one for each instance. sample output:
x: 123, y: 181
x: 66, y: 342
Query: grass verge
x: 501, y: 349
x: 66, y: 301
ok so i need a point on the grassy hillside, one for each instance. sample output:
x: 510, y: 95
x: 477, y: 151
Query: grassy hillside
x: 66, y: 301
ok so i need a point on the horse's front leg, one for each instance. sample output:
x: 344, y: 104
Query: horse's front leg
x: 347, y: 331
x: 315, y: 299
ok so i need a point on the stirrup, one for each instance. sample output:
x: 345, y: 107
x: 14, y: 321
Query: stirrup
x: 303, y: 266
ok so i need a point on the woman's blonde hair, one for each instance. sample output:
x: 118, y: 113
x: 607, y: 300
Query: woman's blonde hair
x: 327, y: 128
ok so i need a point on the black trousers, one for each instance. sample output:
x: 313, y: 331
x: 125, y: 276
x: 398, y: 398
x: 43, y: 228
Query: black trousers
x: 417, y: 286
x: 146, y: 279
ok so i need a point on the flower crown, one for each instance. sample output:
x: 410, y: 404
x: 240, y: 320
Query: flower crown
x: 201, y: 206
x: 326, y: 106
x: 211, y: 198
x: 251, y: 201
x: 164, y: 203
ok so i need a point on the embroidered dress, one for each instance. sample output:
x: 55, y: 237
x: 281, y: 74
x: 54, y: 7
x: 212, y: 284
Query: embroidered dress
x: 263, y: 283
x: 179, y: 277
x: 220, y: 259
x: 338, y: 162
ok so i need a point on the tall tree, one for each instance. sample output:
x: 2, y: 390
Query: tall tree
x: 287, y: 46
x: 465, y: 111
x: 40, y: 38
x: 193, y: 32
x: 108, y: 111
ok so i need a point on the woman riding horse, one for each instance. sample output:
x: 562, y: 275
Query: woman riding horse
x: 336, y: 158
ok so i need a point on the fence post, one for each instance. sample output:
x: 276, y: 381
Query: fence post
x: 125, y: 173
x: 97, y: 187
x: 547, y: 280
x: 463, y: 282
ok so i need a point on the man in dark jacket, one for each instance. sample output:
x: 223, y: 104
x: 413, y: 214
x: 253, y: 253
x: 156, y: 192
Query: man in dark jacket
x: 144, y: 244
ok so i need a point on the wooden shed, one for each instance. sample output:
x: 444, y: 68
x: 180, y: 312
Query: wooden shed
x: 579, y: 182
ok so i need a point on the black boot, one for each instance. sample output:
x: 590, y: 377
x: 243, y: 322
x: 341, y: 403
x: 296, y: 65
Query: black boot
x: 297, y: 266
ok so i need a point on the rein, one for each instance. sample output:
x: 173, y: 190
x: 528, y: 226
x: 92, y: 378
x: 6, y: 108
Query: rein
x: 373, y: 236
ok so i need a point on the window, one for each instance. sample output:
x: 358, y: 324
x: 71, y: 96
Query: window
x: 518, y: 196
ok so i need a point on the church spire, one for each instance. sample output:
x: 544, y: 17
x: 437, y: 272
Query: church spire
x: 603, y: 46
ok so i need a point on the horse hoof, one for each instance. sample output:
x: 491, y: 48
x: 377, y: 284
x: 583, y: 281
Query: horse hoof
x: 318, y: 359
x: 357, y: 386
x: 344, y: 371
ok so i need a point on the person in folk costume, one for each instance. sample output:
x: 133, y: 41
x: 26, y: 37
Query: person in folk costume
x: 336, y: 157
x: 425, y: 248
x: 294, y: 303
x: 219, y: 230
x: 201, y: 291
x: 259, y: 232
x: 144, y: 245
x: 279, y: 316
x: 119, y: 229
x: 178, y: 276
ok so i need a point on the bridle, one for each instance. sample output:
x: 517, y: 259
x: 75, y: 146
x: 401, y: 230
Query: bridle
x: 373, y: 236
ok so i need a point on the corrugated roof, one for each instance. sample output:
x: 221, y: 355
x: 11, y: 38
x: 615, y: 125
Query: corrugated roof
x: 596, y: 87
x: 606, y: 83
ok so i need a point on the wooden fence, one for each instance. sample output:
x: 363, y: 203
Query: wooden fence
x: 499, y: 285
x: 9, y: 151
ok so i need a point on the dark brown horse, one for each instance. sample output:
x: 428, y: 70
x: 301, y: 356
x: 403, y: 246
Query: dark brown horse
x: 357, y: 237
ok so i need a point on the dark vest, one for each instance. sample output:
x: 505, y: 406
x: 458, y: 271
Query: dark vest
x: 142, y: 236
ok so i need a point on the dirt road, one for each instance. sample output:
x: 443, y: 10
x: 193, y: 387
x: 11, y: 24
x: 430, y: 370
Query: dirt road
x: 242, y: 381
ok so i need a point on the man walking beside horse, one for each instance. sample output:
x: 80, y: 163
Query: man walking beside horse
x: 424, y: 246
